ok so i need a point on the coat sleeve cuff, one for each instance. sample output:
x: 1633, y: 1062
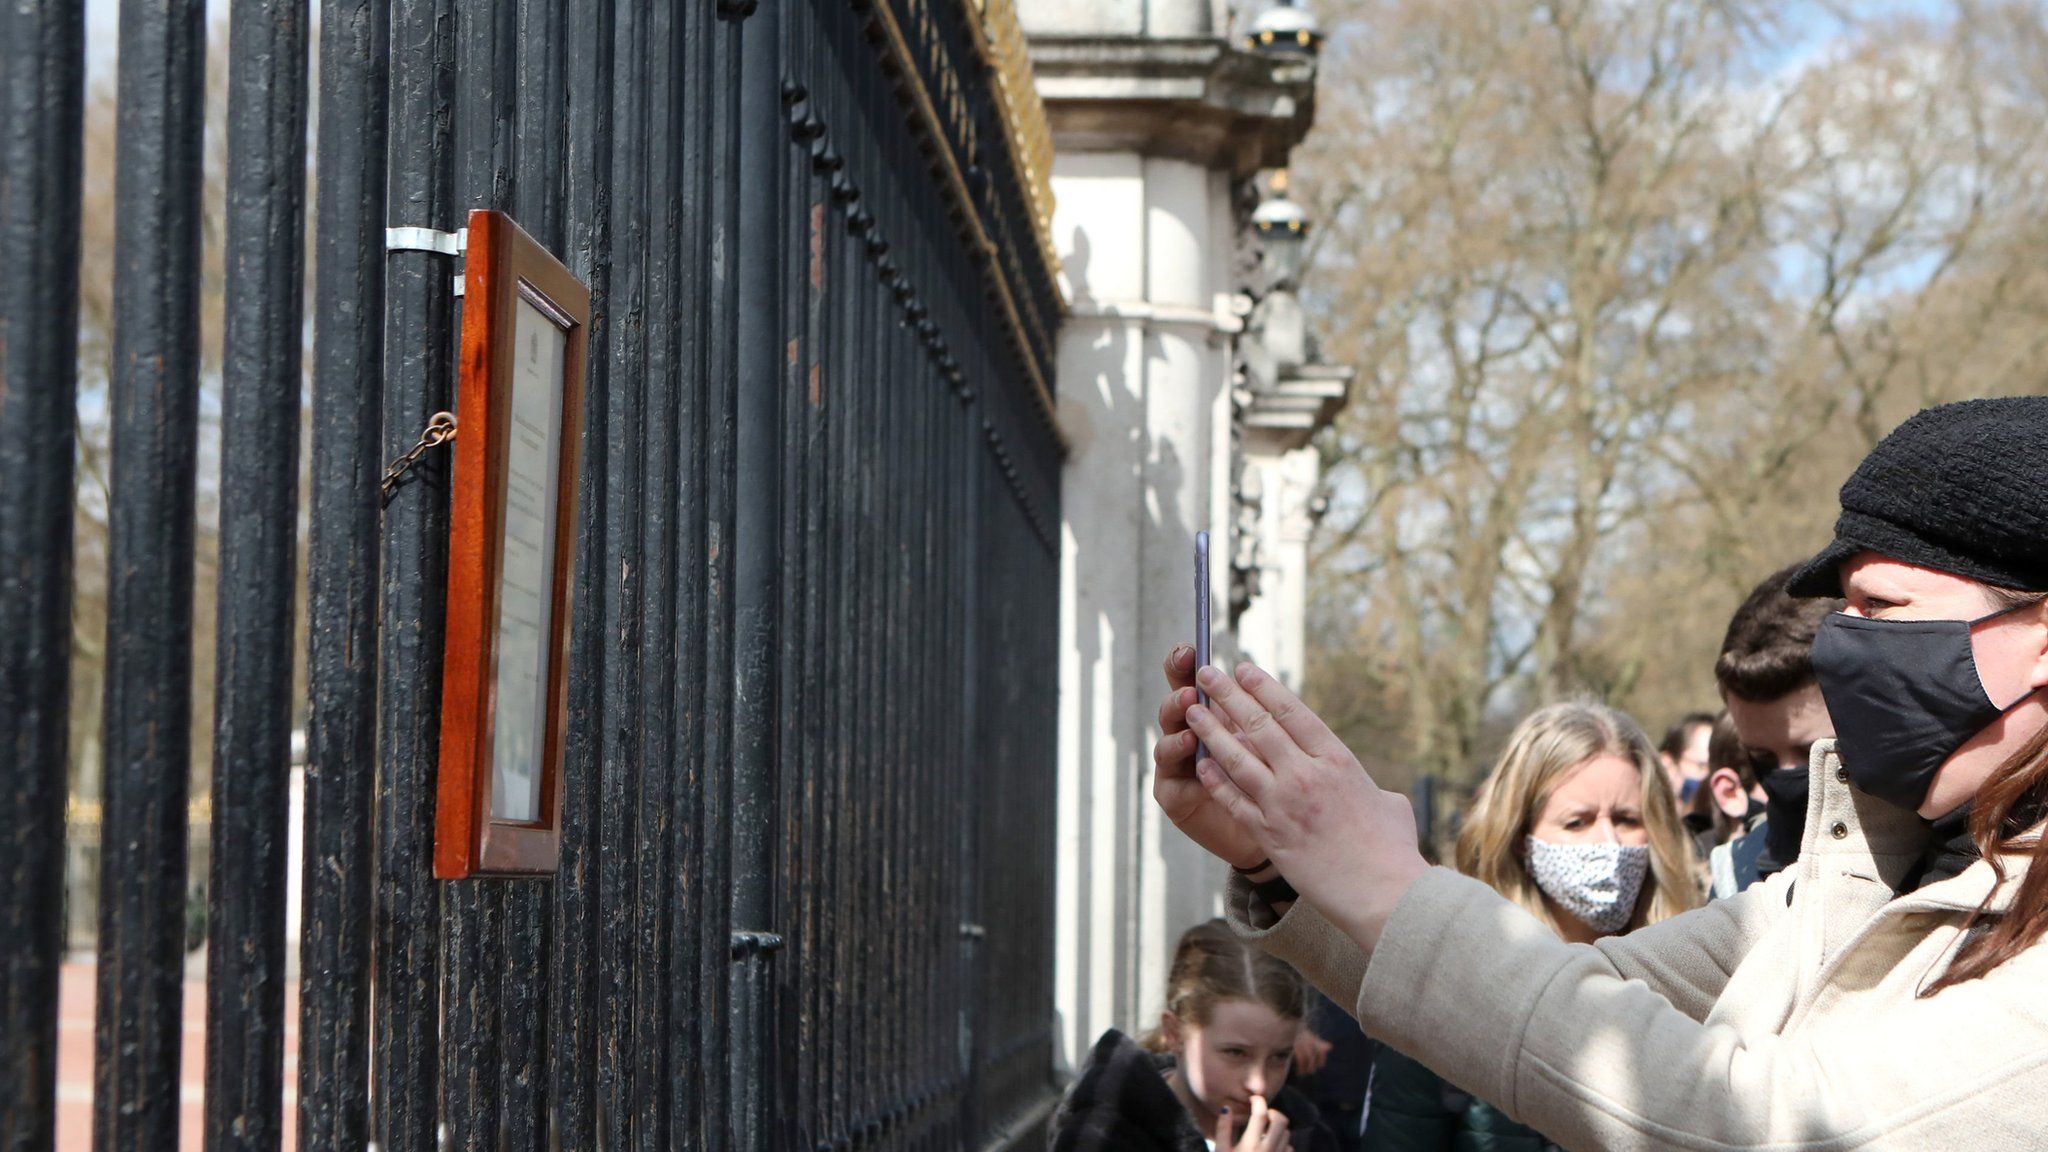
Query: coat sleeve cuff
x: 1318, y: 949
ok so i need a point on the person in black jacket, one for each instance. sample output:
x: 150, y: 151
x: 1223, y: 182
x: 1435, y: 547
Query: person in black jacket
x: 1214, y: 1075
x: 1336, y: 1069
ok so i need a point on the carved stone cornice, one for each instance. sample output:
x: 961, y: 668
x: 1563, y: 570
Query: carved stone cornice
x: 1284, y: 416
x: 1196, y: 99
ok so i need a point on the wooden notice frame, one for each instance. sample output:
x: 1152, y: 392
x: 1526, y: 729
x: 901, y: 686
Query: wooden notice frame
x: 512, y: 547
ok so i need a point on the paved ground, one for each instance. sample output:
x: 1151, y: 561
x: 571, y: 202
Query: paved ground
x: 74, y: 1062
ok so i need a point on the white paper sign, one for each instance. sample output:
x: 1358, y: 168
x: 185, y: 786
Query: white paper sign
x: 525, y: 591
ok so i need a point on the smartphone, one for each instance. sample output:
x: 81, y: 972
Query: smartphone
x: 1201, y: 621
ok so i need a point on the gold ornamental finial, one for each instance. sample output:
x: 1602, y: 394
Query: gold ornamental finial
x: 1279, y: 182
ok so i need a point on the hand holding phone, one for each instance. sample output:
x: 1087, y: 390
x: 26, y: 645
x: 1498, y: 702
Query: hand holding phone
x: 1201, y: 621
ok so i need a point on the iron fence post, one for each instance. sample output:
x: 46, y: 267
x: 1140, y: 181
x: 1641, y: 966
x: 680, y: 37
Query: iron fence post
x: 572, y: 1036
x: 42, y: 96
x: 757, y: 571
x: 413, y: 577
x: 261, y: 386
x: 154, y: 401
x: 343, y: 548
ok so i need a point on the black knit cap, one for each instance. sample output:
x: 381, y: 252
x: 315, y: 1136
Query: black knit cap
x: 1962, y: 488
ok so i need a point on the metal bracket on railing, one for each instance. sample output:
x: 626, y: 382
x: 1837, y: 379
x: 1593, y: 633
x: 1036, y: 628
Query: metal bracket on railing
x: 753, y: 943
x: 426, y: 240
x: 429, y: 240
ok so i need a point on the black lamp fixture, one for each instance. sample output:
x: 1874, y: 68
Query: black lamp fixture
x: 1286, y: 29
x: 1282, y: 229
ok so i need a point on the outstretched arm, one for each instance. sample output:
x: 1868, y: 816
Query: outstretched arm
x: 1687, y: 959
x: 1574, y: 1040
x: 1550, y: 1032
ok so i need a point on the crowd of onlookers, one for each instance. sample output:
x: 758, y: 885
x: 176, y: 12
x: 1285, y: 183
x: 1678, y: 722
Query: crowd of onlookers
x: 1642, y: 946
x: 1581, y: 821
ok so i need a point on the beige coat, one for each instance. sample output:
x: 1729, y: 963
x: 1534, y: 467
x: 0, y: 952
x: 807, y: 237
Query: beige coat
x: 1786, y: 1017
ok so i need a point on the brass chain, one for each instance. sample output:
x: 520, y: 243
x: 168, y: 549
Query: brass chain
x: 440, y: 430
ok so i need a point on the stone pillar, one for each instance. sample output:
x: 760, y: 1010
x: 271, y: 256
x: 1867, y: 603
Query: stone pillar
x: 1144, y: 376
x: 1157, y: 122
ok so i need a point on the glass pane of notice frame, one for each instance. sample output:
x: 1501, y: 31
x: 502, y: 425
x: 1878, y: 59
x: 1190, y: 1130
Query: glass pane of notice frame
x: 512, y: 530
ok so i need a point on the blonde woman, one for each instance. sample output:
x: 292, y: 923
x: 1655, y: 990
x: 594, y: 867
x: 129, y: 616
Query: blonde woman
x: 1577, y: 825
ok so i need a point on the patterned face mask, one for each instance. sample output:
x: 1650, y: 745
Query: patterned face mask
x: 1597, y: 883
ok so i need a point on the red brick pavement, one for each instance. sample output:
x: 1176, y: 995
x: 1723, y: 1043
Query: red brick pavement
x: 74, y: 1062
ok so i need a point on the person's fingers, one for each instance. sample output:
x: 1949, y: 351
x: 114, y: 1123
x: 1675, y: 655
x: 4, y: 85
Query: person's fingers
x: 1256, y: 727
x: 1173, y: 711
x: 1256, y: 1124
x: 1303, y: 727
x: 1223, y: 1128
x: 1223, y: 790
x: 1180, y: 666
x: 1247, y: 769
x: 1171, y: 752
x: 1276, y: 1132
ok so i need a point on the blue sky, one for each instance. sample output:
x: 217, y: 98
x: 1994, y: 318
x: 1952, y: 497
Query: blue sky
x: 1809, y: 25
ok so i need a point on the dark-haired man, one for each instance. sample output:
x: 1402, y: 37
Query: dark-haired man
x: 1765, y: 671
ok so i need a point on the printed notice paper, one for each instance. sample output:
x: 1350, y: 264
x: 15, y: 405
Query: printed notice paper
x: 525, y: 602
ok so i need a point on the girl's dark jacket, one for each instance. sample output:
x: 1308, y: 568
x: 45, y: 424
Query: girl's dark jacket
x: 1414, y: 1110
x: 1122, y: 1103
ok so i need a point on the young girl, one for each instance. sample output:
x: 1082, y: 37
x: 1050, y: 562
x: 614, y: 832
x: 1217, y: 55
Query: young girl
x: 1214, y: 1076
x: 1576, y: 825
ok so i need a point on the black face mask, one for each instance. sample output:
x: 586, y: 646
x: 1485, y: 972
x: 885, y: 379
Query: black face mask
x: 1756, y: 808
x: 1786, y: 789
x: 1903, y: 695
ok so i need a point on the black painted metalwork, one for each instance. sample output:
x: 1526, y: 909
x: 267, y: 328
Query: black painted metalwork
x: 805, y: 890
x: 260, y: 385
x: 759, y: 737
x: 343, y: 549
x: 623, y: 572
x: 419, y: 357
x: 573, y: 994
x: 473, y: 974
x: 154, y: 401
x: 42, y: 93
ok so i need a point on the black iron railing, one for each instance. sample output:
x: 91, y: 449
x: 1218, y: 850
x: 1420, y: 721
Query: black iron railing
x: 805, y: 892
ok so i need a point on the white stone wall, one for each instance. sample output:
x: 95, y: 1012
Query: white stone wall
x: 1144, y: 373
x: 1157, y: 113
x: 1158, y: 18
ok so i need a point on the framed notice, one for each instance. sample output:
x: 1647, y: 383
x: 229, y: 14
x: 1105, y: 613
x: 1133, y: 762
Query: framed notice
x: 512, y: 539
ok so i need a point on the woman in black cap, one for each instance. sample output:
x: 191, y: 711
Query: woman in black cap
x: 1889, y: 990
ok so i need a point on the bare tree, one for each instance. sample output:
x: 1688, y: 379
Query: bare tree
x: 1907, y: 247
x: 1629, y: 287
